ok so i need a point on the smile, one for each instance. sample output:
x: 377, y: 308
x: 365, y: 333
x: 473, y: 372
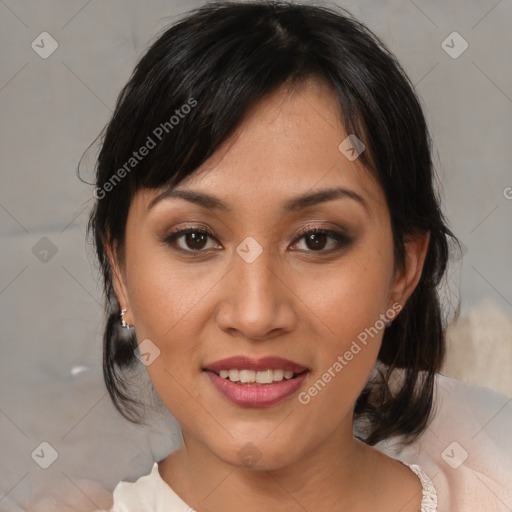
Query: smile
x: 256, y: 383
x: 258, y: 377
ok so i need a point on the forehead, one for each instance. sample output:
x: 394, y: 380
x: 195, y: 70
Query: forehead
x: 287, y: 144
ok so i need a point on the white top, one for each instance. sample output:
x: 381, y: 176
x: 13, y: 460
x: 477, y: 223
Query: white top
x: 151, y: 494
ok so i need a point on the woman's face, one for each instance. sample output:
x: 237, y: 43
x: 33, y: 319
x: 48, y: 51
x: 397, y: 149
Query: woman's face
x: 261, y: 285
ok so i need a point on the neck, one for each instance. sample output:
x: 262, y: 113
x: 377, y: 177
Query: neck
x: 337, y: 475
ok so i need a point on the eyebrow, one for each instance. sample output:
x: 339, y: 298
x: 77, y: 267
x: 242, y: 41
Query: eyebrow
x: 294, y: 204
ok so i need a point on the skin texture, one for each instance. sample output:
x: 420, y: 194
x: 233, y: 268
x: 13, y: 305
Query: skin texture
x: 292, y: 301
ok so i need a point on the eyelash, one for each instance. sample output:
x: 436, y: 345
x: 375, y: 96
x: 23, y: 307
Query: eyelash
x: 341, y: 239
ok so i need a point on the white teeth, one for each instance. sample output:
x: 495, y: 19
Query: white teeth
x: 265, y: 377
x: 259, y: 377
x: 278, y: 375
x: 247, y: 376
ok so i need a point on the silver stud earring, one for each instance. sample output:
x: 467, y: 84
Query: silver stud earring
x: 123, y: 321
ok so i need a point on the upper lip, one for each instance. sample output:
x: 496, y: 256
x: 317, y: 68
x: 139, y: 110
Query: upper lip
x: 248, y: 363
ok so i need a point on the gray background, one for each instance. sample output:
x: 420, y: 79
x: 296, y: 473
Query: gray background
x: 52, y: 109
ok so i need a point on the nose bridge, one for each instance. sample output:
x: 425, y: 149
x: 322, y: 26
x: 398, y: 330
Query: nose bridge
x: 253, y: 270
x: 257, y: 303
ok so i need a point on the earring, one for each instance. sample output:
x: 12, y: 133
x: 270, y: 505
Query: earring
x: 388, y: 324
x: 123, y: 321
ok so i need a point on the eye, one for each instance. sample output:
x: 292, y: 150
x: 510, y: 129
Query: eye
x: 322, y: 240
x: 195, y: 240
x: 191, y: 240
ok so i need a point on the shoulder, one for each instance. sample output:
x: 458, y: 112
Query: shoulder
x: 466, y: 449
x: 149, y: 493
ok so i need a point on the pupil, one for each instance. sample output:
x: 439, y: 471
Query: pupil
x: 196, y: 240
x: 317, y: 240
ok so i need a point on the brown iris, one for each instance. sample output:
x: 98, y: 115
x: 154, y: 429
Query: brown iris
x: 196, y: 240
x: 316, y: 241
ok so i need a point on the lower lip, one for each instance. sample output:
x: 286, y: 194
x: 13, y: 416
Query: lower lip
x: 259, y: 395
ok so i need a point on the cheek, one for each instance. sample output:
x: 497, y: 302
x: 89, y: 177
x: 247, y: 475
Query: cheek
x: 164, y: 293
x: 165, y: 299
x: 349, y: 296
x: 347, y: 307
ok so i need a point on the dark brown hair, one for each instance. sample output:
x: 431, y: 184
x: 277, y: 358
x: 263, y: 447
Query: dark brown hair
x: 225, y: 57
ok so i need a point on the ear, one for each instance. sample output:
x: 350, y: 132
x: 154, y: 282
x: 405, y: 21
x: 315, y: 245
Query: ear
x: 119, y: 280
x: 407, y: 279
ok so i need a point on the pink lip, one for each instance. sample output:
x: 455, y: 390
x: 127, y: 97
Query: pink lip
x: 246, y: 363
x: 262, y: 395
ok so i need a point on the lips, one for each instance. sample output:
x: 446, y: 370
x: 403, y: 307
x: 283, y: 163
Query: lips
x: 246, y: 363
x: 234, y: 378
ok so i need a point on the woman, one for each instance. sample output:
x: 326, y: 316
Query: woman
x: 271, y: 245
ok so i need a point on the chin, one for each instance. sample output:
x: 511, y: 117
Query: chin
x: 260, y: 454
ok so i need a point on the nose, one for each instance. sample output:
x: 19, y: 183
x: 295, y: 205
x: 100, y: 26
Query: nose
x: 256, y: 303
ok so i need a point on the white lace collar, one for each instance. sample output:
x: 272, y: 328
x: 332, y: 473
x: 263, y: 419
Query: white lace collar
x: 428, y: 493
